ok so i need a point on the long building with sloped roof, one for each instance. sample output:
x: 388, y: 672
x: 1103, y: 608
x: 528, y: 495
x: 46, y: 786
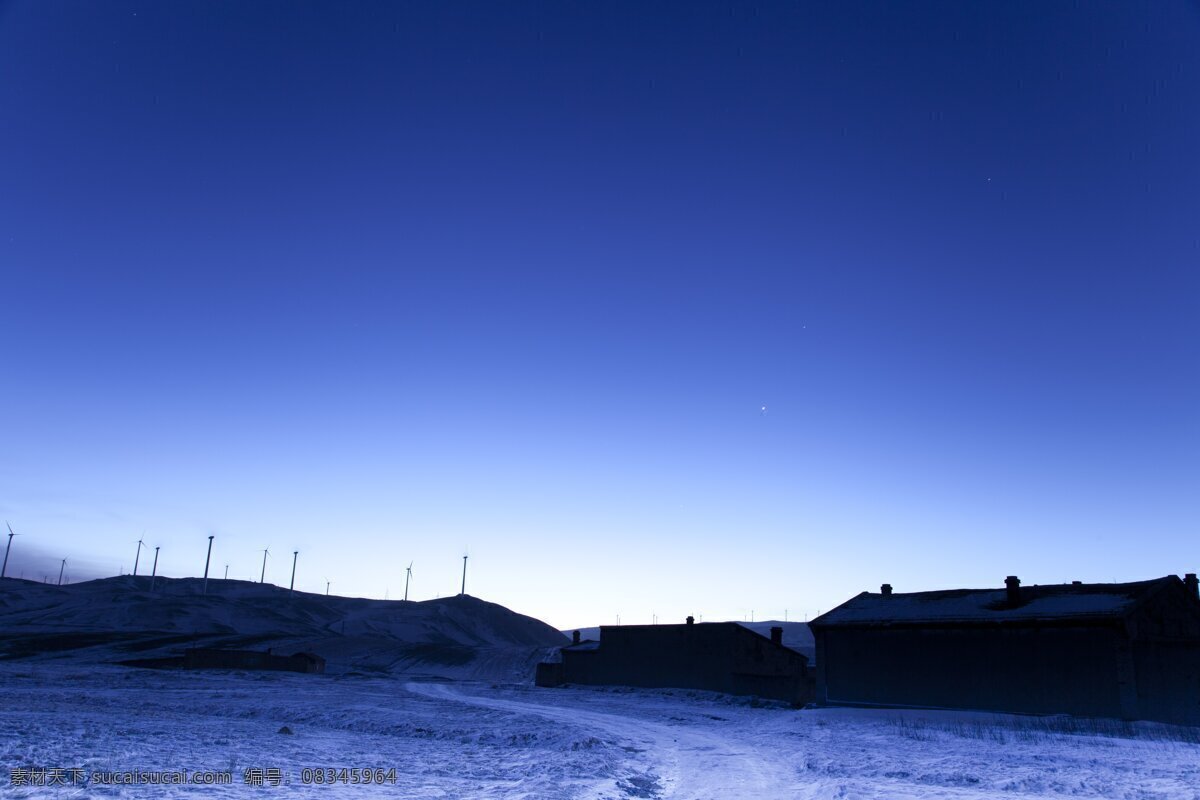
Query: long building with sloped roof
x: 1123, y: 650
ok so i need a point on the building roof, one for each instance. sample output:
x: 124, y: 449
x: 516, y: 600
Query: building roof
x: 582, y: 647
x: 973, y: 606
x: 663, y: 632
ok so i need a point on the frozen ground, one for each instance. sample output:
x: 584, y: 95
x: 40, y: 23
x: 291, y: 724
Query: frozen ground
x: 478, y: 740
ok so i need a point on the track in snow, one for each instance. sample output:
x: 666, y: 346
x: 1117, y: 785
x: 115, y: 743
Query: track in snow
x: 683, y: 762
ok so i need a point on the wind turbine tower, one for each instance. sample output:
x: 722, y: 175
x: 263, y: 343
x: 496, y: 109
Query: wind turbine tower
x: 4, y: 568
x: 60, y: 571
x: 136, y: 557
x: 407, y: 578
x: 206, y: 560
x: 292, y: 586
x: 263, y: 576
x: 464, y: 583
x: 154, y: 570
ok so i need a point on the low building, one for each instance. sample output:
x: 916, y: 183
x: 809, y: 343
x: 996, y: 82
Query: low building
x: 1123, y: 650
x: 212, y: 658
x: 712, y: 656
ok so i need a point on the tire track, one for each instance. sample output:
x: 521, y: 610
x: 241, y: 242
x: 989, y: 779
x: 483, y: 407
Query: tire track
x: 690, y: 764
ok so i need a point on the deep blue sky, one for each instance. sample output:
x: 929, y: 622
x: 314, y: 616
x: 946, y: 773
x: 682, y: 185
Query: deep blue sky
x: 383, y: 281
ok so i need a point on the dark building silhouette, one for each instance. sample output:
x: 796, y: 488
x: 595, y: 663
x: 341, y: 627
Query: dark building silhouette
x: 1124, y: 650
x: 208, y: 658
x: 713, y: 656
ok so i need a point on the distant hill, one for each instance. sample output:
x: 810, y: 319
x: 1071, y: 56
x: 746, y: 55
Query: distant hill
x: 796, y: 635
x: 118, y: 619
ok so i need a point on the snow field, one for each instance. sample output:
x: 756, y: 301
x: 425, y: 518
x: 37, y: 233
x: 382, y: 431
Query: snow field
x: 479, y: 740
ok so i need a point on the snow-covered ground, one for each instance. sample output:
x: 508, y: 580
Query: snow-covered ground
x: 479, y: 740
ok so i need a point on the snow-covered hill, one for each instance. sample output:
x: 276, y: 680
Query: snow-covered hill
x: 116, y: 619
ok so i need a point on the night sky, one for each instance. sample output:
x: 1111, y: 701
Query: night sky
x: 654, y: 308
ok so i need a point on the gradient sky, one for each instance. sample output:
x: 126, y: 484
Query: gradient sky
x: 382, y: 282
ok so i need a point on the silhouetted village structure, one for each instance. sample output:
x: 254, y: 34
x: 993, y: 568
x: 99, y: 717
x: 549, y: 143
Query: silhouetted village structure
x: 1123, y: 650
x: 211, y: 658
x: 713, y: 656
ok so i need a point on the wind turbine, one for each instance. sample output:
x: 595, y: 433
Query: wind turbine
x: 206, y: 560
x: 60, y: 571
x: 4, y: 568
x: 407, y: 578
x: 154, y: 569
x: 327, y: 587
x: 137, y: 556
x: 263, y: 576
x: 464, y: 583
x: 292, y: 586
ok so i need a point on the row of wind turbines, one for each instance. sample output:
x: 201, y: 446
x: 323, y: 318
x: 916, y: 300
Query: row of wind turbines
x: 63, y: 565
x: 207, y: 561
x: 8, y: 549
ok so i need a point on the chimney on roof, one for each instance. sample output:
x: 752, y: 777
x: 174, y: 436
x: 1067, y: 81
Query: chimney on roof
x: 1013, y: 584
x: 886, y: 590
x: 1192, y: 584
x: 691, y: 620
x: 777, y: 635
x: 574, y: 637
